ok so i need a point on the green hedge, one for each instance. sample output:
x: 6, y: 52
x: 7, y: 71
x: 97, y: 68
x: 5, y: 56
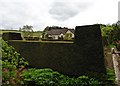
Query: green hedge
x: 83, y: 57
x: 89, y: 46
x: 11, y: 36
x: 32, y: 38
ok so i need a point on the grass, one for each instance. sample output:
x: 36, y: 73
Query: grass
x: 37, y: 33
x: 111, y: 74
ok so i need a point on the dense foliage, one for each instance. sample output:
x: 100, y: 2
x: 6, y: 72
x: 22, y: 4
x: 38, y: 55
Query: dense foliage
x: 111, y: 33
x: 27, y: 30
x: 48, y: 28
x: 48, y: 77
x: 110, y: 74
x: 12, y: 65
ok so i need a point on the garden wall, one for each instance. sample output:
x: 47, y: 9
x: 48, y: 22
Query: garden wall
x: 83, y: 56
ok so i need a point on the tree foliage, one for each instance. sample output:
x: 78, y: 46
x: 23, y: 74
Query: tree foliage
x: 27, y: 30
x: 115, y: 34
x: 111, y: 33
x: 48, y: 28
x: 68, y: 36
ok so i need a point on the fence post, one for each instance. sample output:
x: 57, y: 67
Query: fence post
x: 116, y: 64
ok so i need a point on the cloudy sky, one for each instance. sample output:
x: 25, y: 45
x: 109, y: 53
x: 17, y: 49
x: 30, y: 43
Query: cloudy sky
x: 65, y: 13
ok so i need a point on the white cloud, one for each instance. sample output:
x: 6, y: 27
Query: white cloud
x: 40, y: 13
x: 16, y: 13
x: 63, y: 10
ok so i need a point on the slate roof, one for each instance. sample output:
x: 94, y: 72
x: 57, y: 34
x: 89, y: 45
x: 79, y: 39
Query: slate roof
x: 72, y: 30
x: 59, y: 31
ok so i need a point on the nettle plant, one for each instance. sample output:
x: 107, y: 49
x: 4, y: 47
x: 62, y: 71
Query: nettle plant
x: 12, y: 65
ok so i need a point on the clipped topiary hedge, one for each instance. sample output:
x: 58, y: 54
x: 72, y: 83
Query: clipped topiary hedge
x: 11, y: 36
x: 83, y: 57
x: 32, y: 38
x: 89, y: 41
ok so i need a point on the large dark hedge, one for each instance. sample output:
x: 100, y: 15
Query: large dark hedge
x: 11, y: 36
x: 58, y: 56
x: 83, y: 57
x: 90, y: 48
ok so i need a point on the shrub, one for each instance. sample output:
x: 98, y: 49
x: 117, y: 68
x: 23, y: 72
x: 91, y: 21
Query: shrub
x: 111, y: 33
x: 110, y: 74
x: 40, y: 77
x: 48, y: 77
x: 12, y: 65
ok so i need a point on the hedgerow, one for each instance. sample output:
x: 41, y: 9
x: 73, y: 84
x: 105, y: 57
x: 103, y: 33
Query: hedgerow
x: 13, y: 73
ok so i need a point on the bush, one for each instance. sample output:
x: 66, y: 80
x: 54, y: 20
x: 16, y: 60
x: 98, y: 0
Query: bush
x: 41, y: 77
x: 48, y: 77
x: 111, y: 33
x: 12, y: 65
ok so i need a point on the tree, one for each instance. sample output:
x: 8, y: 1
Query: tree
x: 48, y: 28
x: 44, y: 35
x: 27, y: 30
x: 111, y: 32
x: 68, y: 36
x: 106, y: 33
